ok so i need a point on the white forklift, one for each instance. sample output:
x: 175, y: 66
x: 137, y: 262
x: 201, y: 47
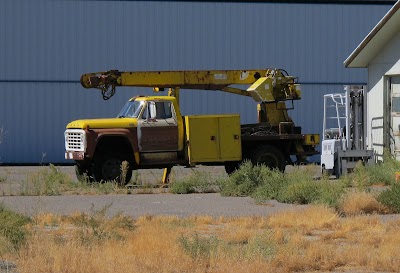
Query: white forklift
x: 344, y: 131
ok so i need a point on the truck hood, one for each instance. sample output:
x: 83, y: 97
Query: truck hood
x: 108, y: 123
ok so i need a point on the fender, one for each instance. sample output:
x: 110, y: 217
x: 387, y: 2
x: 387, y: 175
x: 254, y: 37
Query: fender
x: 95, y: 136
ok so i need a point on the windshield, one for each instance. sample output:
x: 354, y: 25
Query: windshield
x: 131, y: 109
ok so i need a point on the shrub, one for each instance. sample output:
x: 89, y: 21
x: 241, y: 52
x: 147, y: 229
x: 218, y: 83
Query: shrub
x: 331, y: 192
x: 303, y: 192
x: 245, y: 180
x: 274, y: 182
x: 391, y: 198
x: 12, y: 228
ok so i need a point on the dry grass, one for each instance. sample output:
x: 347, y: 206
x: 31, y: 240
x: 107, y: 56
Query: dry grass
x: 315, y: 238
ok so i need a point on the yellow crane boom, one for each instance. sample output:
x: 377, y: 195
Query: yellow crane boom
x: 266, y: 85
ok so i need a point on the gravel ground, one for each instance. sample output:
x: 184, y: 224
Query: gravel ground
x: 131, y: 204
x: 145, y: 204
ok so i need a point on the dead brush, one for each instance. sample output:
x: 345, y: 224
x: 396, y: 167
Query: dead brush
x: 124, y: 173
x: 309, y: 218
x: 360, y: 202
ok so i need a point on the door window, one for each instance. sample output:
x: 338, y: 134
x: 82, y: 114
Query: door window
x: 158, y: 110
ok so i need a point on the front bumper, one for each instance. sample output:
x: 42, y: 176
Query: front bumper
x: 74, y: 155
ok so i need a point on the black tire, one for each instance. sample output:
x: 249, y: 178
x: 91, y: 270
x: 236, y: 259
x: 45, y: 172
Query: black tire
x: 83, y: 173
x: 231, y: 166
x: 269, y: 156
x: 107, y: 167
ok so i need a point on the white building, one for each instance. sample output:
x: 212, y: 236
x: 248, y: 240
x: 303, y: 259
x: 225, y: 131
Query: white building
x: 379, y: 52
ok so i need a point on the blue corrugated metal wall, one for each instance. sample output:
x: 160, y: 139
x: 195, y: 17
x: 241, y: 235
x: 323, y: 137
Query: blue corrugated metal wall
x: 46, y: 45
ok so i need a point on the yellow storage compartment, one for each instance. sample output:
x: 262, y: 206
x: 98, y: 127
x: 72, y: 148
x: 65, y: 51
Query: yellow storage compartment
x: 213, y: 138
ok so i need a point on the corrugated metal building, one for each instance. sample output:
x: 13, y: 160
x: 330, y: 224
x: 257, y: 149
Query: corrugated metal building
x: 46, y: 45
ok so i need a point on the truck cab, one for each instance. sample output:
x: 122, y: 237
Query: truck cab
x: 148, y: 132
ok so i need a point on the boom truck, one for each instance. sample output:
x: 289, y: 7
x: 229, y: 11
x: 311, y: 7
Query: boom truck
x: 150, y: 131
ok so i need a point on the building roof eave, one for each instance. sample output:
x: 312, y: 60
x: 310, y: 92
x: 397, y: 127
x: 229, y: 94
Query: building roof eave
x: 376, y: 39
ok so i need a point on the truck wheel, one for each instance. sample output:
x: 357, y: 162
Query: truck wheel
x: 83, y: 173
x: 269, y: 156
x: 231, y: 166
x: 108, y: 168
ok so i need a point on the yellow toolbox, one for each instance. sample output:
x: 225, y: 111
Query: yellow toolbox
x: 213, y: 138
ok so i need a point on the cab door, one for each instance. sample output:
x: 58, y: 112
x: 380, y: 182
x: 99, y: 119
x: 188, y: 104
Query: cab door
x: 158, y: 127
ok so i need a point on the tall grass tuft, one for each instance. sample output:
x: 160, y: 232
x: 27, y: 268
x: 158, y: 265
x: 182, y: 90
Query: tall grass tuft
x: 49, y: 181
x: 52, y: 181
